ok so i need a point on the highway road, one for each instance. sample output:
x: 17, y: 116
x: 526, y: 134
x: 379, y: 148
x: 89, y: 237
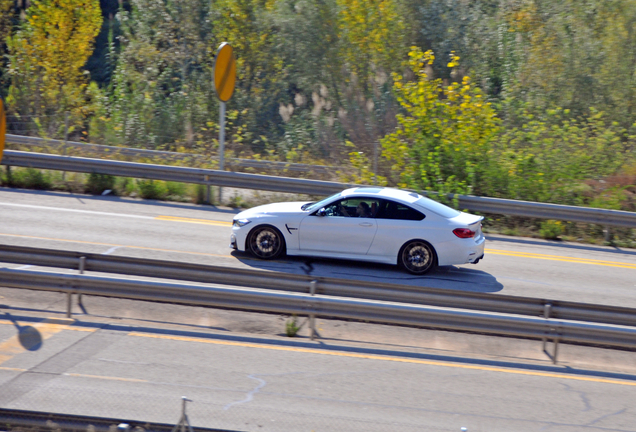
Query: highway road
x: 182, y: 232
x: 135, y: 360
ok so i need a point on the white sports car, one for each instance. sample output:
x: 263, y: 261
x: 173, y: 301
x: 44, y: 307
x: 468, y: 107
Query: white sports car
x: 365, y: 224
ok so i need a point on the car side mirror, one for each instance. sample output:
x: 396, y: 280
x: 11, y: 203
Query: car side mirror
x: 322, y: 212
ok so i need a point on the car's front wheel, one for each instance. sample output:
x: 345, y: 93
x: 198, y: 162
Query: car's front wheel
x: 417, y: 257
x: 266, y: 242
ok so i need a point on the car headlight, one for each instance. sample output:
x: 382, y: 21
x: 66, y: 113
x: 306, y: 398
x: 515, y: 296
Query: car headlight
x: 240, y: 222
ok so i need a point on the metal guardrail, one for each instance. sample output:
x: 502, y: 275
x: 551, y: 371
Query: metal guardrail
x: 333, y: 287
x: 336, y: 307
x: 312, y: 187
x: 21, y: 420
x: 139, y: 153
x: 169, y: 173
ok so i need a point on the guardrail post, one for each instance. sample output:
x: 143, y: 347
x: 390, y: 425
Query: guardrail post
x: 607, y: 233
x: 547, y: 310
x: 65, y: 141
x: 82, y: 266
x: 69, y: 304
x: 184, y: 423
x: 555, y: 351
x: 312, y: 317
x: 208, y: 189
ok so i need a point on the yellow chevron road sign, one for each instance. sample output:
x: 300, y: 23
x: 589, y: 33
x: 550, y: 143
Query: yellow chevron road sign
x: 224, y: 72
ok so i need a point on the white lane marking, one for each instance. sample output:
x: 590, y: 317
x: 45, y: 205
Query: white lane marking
x: 23, y: 267
x: 77, y: 211
x: 250, y: 395
x: 111, y: 250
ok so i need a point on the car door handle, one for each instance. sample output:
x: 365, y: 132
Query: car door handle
x: 366, y: 224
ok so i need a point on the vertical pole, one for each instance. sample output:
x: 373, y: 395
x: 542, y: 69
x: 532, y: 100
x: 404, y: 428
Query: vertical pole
x: 69, y: 305
x: 208, y: 193
x: 65, y: 141
x: 221, y: 145
x: 312, y: 317
x: 82, y: 266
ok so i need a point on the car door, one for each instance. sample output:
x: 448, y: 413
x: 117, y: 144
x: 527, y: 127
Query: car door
x: 397, y: 223
x: 338, y: 229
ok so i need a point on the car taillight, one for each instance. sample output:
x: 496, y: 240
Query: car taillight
x: 464, y: 233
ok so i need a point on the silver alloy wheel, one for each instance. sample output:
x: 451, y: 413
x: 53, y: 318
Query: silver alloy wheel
x: 266, y: 243
x: 417, y: 257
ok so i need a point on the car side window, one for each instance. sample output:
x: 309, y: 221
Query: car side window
x: 394, y: 210
x: 353, y: 207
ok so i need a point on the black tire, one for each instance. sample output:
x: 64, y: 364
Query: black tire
x: 266, y: 242
x: 417, y: 257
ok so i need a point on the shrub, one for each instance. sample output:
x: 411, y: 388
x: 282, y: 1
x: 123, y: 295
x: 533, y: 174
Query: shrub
x: 291, y: 326
x: 551, y: 229
x: 151, y: 189
x: 98, y: 183
x: 29, y: 179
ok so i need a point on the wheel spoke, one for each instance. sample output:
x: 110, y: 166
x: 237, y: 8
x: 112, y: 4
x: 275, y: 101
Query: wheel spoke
x: 418, y: 257
x: 265, y: 243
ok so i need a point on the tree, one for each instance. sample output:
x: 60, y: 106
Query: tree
x: 46, y: 58
x: 444, y: 139
x: 162, y: 91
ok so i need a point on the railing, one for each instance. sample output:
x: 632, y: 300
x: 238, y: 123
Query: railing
x: 327, y: 306
x: 169, y: 173
x: 165, y: 155
x: 302, y: 186
x: 328, y: 297
x: 333, y: 287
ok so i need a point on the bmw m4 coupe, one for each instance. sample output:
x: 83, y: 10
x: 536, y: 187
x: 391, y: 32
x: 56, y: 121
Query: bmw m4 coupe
x: 372, y: 224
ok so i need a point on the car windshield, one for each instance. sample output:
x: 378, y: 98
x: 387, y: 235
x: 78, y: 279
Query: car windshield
x: 437, y: 208
x: 320, y: 204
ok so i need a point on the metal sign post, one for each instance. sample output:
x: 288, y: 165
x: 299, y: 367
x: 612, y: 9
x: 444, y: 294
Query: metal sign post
x: 3, y: 128
x: 224, y: 82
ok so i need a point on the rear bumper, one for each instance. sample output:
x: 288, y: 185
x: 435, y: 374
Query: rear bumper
x: 474, y: 259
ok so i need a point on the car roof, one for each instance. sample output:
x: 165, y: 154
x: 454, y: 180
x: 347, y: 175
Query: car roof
x: 383, y: 192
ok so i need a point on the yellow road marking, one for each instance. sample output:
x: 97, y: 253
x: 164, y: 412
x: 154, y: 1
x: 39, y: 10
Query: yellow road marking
x: 116, y: 245
x: 106, y: 377
x: 388, y: 358
x: 196, y: 221
x: 12, y: 369
x: 13, y: 346
x: 562, y: 258
x: 488, y: 250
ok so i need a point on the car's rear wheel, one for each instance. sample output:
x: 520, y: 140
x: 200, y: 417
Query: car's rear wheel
x: 417, y: 257
x: 266, y: 242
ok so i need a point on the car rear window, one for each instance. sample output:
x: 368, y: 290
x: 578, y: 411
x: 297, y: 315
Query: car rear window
x: 393, y: 210
x: 437, y: 207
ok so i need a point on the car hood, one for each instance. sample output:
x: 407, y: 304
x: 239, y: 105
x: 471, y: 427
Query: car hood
x: 273, y: 209
x: 466, y: 219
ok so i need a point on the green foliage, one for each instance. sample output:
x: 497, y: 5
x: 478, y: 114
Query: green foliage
x: 161, y: 89
x: 98, y: 183
x: 551, y: 229
x: 547, y: 161
x: 443, y: 140
x: 29, y: 178
x: 46, y: 57
x: 291, y: 326
x: 152, y: 189
x: 541, y: 108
